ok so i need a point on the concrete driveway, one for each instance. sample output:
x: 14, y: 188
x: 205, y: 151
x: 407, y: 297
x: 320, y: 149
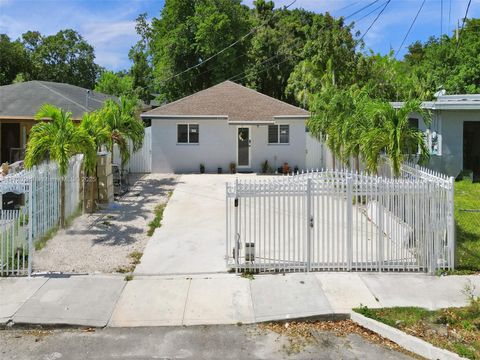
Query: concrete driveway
x: 192, y: 237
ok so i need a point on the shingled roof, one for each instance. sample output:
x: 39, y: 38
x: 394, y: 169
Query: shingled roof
x: 237, y: 102
x: 22, y: 100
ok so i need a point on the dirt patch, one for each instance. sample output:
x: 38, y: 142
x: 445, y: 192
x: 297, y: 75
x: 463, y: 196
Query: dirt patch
x: 111, y: 239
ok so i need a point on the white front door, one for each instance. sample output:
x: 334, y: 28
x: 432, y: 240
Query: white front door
x: 243, y: 147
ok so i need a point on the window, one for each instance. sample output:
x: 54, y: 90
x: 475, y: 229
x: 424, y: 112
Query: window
x: 187, y: 133
x: 278, y: 134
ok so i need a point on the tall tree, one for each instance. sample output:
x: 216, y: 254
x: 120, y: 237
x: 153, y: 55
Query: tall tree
x: 117, y: 84
x: 189, y: 32
x: 13, y: 59
x: 328, y: 39
x: 63, y: 57
x: 58, y: 140
x: 279, y: 37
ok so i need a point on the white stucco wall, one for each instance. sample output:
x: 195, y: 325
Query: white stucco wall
x: 217, y: 146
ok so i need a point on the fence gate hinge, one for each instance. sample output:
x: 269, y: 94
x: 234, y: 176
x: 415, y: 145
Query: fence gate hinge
x: 311, y: 221
x: 236, y: 202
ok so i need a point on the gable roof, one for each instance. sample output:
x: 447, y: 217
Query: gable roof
x: 237, y: 102
x: 22, y: 100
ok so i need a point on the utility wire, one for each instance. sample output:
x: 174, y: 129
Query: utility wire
x: 371, y: 12
x: 374, y: 21
x: 263, y: 62
x: 463, y: 25
x: 449, y: 14
x: 224, y: 49
x: 348, y: 6
x: 360, y: 10
x: 441, y: 18
x: 265, y: 69
x: 410, y: 28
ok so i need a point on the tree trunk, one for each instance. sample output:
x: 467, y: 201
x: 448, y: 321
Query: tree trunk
x: 357, y: 163
x: 62, y: 202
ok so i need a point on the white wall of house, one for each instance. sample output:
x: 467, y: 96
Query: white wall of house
x: 217, y: 146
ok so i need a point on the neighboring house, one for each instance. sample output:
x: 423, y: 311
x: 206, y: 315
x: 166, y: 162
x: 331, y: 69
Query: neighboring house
x: 454, y: 133
x: 20, y: 102
x: 227, y: 123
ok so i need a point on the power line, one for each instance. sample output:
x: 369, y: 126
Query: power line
x: 410, y: 28
x: 463, y: 25
x: 371, y: 12
x: 449, y: 14
x: 360, y: 10
x: 348, y: 6
x: 263, y: 62
x: 265, y: 69
x: 224, y: 49
x: 374, y: 21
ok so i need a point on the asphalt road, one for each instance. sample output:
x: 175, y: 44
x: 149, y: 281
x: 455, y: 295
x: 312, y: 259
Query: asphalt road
x: 200, y: 342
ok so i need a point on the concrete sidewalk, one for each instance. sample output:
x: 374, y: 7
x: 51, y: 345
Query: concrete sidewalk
x: 101, y: 300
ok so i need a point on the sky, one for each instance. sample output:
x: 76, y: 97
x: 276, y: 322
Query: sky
x: 109, y: 25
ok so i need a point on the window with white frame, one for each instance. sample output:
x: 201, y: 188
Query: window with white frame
x: 187, y: 133
x: 278, y: 134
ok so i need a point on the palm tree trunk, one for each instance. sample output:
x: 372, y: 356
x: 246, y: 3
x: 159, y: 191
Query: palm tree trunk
x: 357, y: 163
x: 62, y: 202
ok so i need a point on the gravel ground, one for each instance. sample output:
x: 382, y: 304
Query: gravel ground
x: 101, y: 242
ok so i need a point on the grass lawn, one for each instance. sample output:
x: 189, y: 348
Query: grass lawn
x: 454, y: 329
x: 467, y: 196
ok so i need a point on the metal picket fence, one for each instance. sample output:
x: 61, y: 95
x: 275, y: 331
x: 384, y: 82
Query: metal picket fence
x: 341, y: 221
x: 39, y: 214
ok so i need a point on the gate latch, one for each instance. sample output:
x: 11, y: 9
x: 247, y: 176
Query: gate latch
x: 311, y: 221
x: 236, y: 202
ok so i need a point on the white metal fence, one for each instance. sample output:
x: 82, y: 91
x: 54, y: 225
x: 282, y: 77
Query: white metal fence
x: 341, y: 221
x: 141, y: 160
x: 39, y: 214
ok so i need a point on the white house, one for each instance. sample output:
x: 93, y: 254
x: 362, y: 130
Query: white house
x: 454, y: 133
x: 227, y: 123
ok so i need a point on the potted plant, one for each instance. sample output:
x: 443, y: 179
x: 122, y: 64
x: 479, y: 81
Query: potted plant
x: 233, y: 168
x: 202, y: 168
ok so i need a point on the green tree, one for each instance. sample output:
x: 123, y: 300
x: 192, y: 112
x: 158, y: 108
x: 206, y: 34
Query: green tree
x: 140, y: 55
x: 121, y: 120
x: 189, y: 32
x: 58, y: 140
x: 392, y: 133
x: 328, y: 39
x: 117, y: 84
x: 447, y: 63
x: 279, y: 36
x: 13, y: 59
x: 63, y: 57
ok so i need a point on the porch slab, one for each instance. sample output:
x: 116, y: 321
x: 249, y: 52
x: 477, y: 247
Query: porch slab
x: 81, y: 301
x: 345, y: 291
x: 283, y: 297
x: 421, y: 290
x: 14, y: 292
x: 219, y: 301
x: 151, y: 302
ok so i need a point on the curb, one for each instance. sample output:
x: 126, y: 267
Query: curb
x: 408, y: 342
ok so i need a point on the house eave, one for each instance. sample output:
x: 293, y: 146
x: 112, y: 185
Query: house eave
x: 153, y: 116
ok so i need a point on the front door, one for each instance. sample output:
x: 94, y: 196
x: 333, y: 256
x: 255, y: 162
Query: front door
x: 243, y: 150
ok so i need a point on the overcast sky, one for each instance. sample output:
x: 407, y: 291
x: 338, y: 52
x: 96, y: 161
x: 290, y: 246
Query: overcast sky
x: 109, y: 25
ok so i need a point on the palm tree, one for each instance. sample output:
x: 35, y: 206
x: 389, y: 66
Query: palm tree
x: 93, y: 125
x: 58, y: 140
x: 392, y: 133
x: 123, y: 124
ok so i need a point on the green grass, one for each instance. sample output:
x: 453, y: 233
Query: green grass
x: 467, y: 196
x: 42, y: 242
x: 454, y: 329
x: 157, y: 220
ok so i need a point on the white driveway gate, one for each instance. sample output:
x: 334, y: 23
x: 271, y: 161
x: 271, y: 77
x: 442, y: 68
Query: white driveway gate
x: 341, y: 221
x: 140, y: 161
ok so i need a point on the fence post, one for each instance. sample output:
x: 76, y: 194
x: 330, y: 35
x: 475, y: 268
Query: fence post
x: 30, y: 226
x: 237, y: 235
x: 349, y: 222
x: 309, y: 223
x: 451, y: 224
x: 380, y: 214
